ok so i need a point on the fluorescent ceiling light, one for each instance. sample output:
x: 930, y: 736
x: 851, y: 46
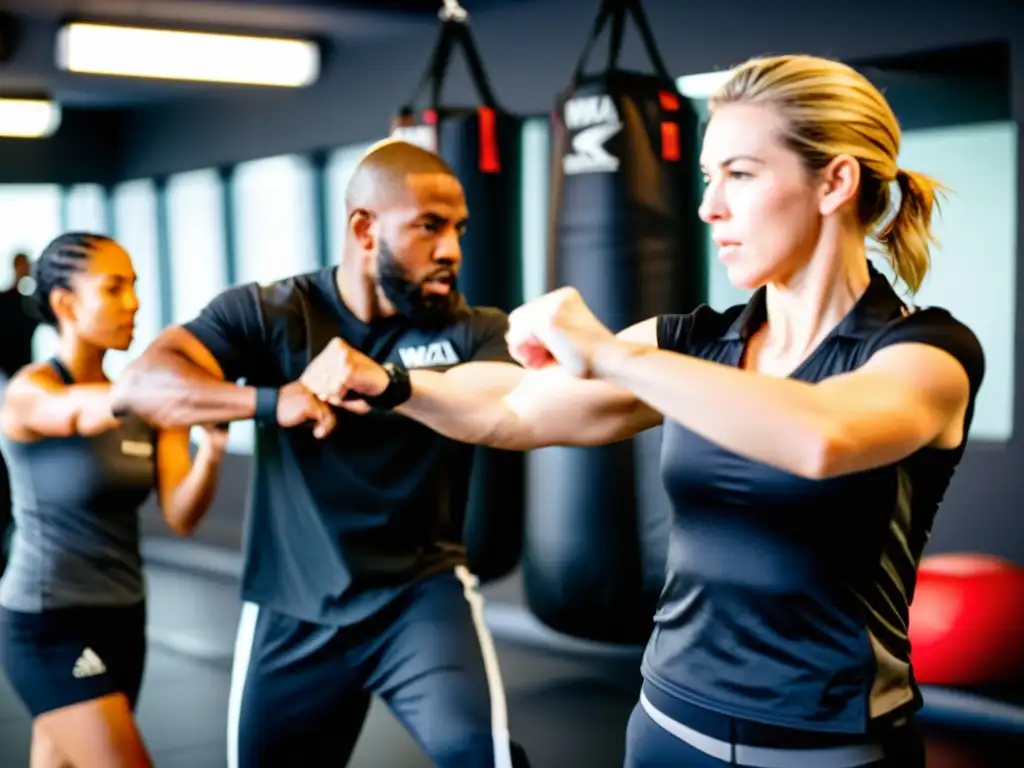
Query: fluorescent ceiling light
x: 28, y: 118
x: 171, y: 55
x: 702, y: 86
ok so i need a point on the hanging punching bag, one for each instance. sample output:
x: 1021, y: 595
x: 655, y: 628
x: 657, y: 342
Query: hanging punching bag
x: 482, y: 146
x: 625, y: 233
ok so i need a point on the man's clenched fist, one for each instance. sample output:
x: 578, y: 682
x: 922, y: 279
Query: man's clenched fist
x: 297, y: 406
x: 340, y: 370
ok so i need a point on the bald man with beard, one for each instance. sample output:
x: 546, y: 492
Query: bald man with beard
x: 355, y: 581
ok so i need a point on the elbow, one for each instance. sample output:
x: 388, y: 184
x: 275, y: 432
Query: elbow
x: 824, y: 454
x: 181, y: 530
x: 175, y: 514
x: 180, y: 526
x: 510, y: 432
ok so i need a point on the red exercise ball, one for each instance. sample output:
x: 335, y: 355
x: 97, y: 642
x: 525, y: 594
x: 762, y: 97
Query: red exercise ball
x: 967, y: 621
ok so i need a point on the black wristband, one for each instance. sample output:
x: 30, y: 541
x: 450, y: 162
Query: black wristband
x: 266, y: 406
x: 399, y: 389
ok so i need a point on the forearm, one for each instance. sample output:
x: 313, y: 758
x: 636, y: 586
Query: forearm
x: 504, y: 406
x: 452, y: 408
x: 192, y: 498
x: 780, y: 422
x: 86, y: 411
x: 168, y: 390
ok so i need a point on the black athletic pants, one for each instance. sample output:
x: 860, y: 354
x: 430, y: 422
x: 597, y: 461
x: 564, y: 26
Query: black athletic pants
x: 300, y: 691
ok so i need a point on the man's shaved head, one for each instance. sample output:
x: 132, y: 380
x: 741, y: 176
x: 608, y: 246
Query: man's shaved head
x: 382, y: 176
x: 405, y: 215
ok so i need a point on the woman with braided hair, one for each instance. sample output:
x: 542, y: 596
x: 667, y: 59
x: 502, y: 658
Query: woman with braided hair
x: 72, y: 601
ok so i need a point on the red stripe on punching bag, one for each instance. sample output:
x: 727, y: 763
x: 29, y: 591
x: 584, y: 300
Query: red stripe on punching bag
x: 669, y: 101
x: 489, y: 162
x: 669, y: 141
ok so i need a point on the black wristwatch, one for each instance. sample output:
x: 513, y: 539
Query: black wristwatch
x: 398, y: 390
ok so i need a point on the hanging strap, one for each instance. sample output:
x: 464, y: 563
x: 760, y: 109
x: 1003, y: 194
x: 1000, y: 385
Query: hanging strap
x: 454, y: 32
x: 615, y: 11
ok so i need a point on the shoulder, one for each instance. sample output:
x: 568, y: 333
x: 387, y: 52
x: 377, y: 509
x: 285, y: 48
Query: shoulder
x: 482, y: 334
x: 39, y: 375
x: 278, y: 293
x: 486, y: 320
x: 291, y: 290
x: 691, y: 331
x: 937, y: 327
x: 28, y: 384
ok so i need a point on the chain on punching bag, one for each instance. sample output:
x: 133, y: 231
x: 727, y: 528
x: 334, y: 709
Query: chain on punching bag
x: 482, y: 145
x: 625, y: 233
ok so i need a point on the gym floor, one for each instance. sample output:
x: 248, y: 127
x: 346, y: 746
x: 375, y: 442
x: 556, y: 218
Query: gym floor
x: 567, y: 708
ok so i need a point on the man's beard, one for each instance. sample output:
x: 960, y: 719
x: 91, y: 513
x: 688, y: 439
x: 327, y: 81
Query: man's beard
x: 428, y: 310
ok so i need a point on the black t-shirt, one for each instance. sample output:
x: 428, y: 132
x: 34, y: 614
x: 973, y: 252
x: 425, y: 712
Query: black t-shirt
x: 786, y: 599
x: 338, y: 527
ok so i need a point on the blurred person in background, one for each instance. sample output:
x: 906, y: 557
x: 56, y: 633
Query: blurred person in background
x: 19, y: 325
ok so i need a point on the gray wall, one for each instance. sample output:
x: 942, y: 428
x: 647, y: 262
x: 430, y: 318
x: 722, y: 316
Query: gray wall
x: 530, y: 50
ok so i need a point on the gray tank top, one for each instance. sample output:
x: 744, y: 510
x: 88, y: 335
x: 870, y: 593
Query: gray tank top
x: 75, y: 503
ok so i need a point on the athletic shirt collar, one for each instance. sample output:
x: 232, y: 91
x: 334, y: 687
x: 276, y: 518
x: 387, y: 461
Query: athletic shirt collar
x: 353, y: 330
x: 876, y: 307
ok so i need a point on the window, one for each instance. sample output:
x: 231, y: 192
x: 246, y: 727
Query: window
x: 274, y: 219
x: 135, y: 220
x: 196, y: 236
x: 275, y: 234
x: 29, y: 220
x: 974, y: 266
x: 86, y: 209
x: 536, y: 147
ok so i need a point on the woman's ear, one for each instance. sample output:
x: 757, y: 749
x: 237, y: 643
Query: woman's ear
x: 840, y: 184
x: 62, y: 304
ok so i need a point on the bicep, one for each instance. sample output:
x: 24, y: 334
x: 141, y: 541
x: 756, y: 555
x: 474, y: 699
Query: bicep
x: 906, y: 397
x: 181, y: 341
x: 227, y: 337
x: 173, y: 462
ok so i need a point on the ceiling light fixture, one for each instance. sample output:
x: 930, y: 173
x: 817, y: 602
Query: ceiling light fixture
x: 101, y: 49
x: 22, y: 118
x: 704, y: 85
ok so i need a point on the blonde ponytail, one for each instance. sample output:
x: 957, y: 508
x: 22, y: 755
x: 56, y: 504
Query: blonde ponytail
x: 909, y: 237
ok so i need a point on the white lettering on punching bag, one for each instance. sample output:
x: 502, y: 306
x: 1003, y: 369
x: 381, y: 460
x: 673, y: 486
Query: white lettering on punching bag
x: 591, y: 122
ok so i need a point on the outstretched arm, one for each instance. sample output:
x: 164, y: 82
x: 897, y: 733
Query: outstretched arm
x: 178, y: 382
x: 186, y: 485
x: 504, y: 406
x: 39, y: 404
x: 913, y: 392
x: 491, y: 402
x: 906, y: 397
x: 187, y: 376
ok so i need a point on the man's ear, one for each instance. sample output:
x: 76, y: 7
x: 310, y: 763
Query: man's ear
x: 362, y: 225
